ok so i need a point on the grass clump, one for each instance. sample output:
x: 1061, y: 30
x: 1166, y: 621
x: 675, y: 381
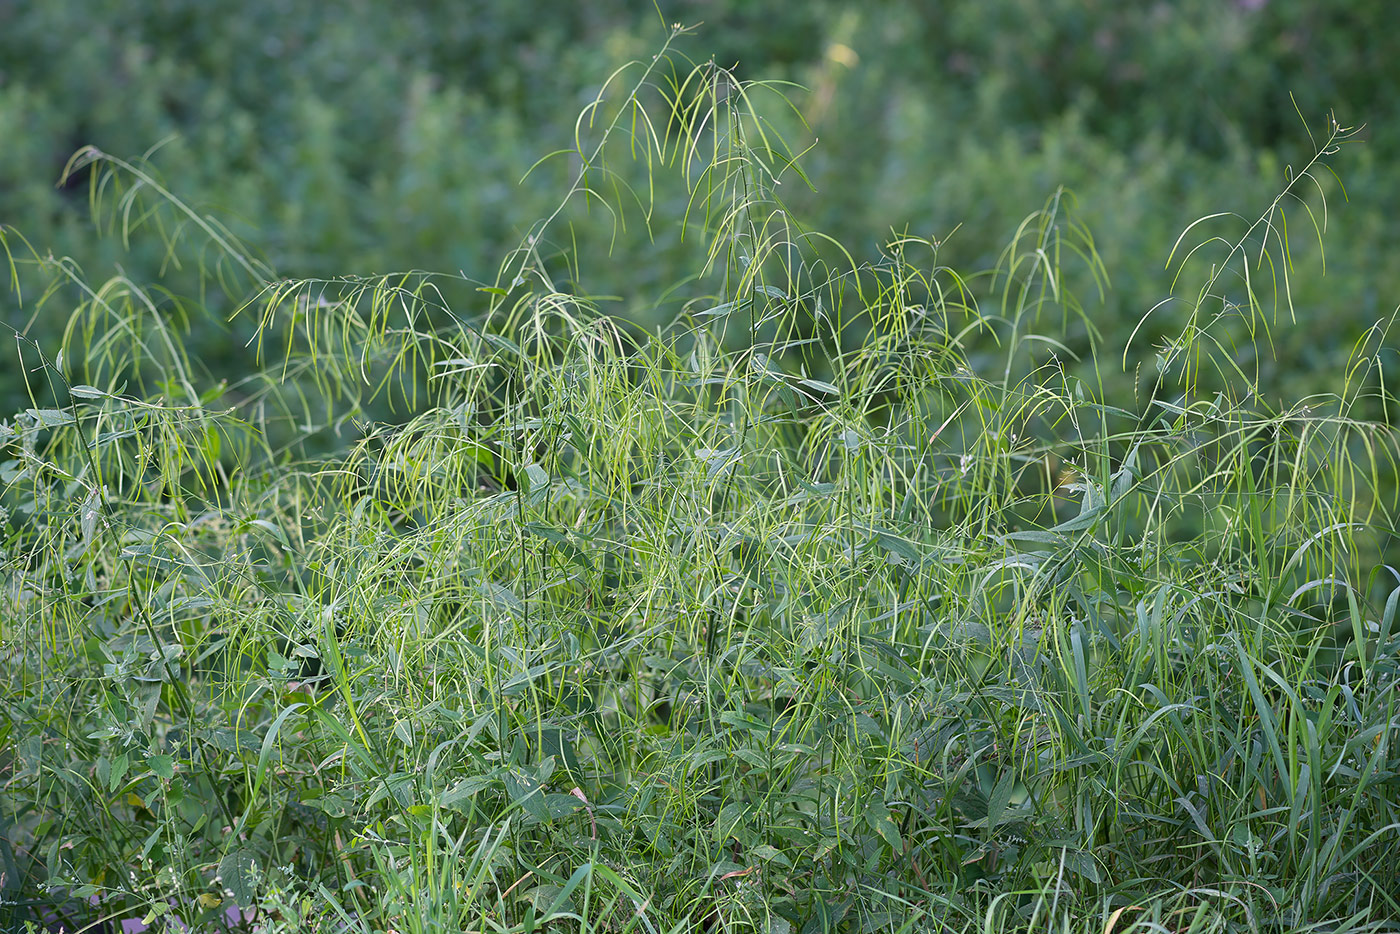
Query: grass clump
x: 846, y: 601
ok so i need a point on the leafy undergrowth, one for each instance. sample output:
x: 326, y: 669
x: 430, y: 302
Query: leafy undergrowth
x: 840, y: 604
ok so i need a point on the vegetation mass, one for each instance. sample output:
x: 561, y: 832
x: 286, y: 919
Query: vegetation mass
x: 840, y: 590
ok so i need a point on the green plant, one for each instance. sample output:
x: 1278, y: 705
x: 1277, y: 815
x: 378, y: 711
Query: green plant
x: 844, y: 600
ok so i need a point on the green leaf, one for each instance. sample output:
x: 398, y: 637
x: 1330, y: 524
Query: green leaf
x: 555, y: 743
x: 819, y: 386
x: 770, y: 855
x: 1000, y: 798
x: 866, y: 726
x: 752, y: 756
x: 1086, y: 518
x: 238, y: 871
x: 163, y: 766
x: 501, y: 597
x: 743, y: 721
x: 151, y: 839
x: 269, y: 742
x: 459, y: 795
x: 896, y: 546
x: 1123, y: 478
x: 1034, y: 536
x: 765, y: 365
x: 107, y: 437
x: 525, y: 792
x: 880, y: 820
x: 1084, y: 864
x: 535, y: 478
x: 502, y: 343
x: 229, y: 741
x: 276, y: 531
x: 51, y: 418
x: 119, y: 766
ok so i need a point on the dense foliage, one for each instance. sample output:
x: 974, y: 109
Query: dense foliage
x: 856, y: 592
x: 364, y: 138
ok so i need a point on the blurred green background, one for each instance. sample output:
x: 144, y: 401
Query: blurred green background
x: 369, y: 137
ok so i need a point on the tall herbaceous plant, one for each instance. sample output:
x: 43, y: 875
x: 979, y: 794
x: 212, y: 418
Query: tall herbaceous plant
x: 847, y: 600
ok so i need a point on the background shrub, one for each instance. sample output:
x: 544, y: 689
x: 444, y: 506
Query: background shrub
x: 365, y: 140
